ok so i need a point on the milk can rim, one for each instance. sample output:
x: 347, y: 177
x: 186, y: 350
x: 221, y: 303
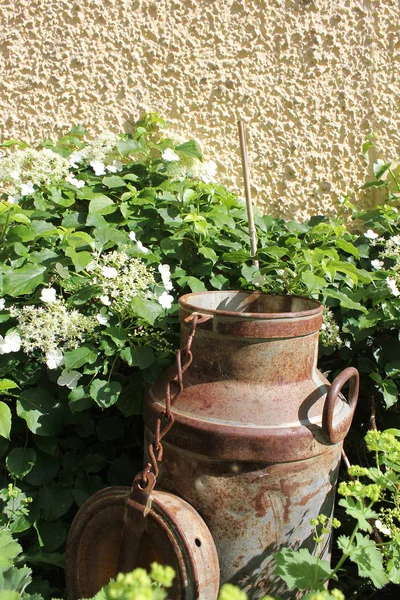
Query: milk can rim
x: 185, y: 303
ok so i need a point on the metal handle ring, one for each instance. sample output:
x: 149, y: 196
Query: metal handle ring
x: 338, y: 433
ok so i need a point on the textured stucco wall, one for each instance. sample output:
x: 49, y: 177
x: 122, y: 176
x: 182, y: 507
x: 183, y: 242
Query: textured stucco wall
x: 310, y: 77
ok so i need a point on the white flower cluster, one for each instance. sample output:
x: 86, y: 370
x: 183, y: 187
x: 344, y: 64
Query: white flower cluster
x: 23, y: 169
x: 122, y: 278
x: 51, y: 329
x: 329, y: 334
x: 191, y: 167
x: 392, y: 251
x: 100, y: 150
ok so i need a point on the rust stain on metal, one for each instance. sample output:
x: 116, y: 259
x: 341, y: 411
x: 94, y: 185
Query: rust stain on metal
x: 257, y: 436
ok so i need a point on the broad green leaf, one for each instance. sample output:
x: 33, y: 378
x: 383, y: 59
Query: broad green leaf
x: 9, y: 548
x: 360, y: 512
x: 299, y: 569
x: 125, y: 147
x: 196, y: 285
x: 20, y: 461
x: 347, y: 247
x: 390, y: 392
x: 190, y: 148
x: 5, y: 420
x: 23, y: 281
x: 367, y: 557
x: 51, y: 535
x: 236, y: 256
x: 392, y: 368
x: 80, y: 259
x: 146, y: 309
x: 138, y: 356
x: 15, y: 579
x: 74, y: 359
x: 40, y: 410
x: 208, y: 253
x: 113, y: 181
x: 7, y: 384
x: 345, y: 301
x: 84, y: 294
x: 80, y: 238
x: 220, y: 282
x: 102, y: 205
x: 105, y: 393
x: 117, y: 334
x: 313, y: 282
x: 55, y: 501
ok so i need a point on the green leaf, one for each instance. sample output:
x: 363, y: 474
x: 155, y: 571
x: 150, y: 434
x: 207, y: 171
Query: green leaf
x: 105, y: 393
x: 347, y: 247
x: 39, y: 409
x: 54, y: 501
x: 360, y: 512
x: 392, y: 368
x: 367, y: 557
x: 190, y: 148
x: 390, y: 392
x: 138, y: 356
x: 117, y: 334
x: 299, y: 569
x: 220, y: 282
x: 20, y: 461
x: 345, y: 301
x: 102, y: 205
x: 380, y: 167
x: 51, y: 535
x: 23, y: 281
x: 313, y: 282
x: 5, y: 420
x: 15, y: 579
x: 9, y: 549
x: 125, y: 147
x: 196, y: 285
x: 7, y: 384
x: 113, y: 182
x: 74, y: 359
x: 208, y: 253
x: 79, y: 259
x: 146, y: 309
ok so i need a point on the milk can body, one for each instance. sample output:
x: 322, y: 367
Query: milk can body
x: 255, y: 448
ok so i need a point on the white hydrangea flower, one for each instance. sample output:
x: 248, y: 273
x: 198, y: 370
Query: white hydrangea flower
x: 12, y: 199
x: 165, y: 273
x: 210, y: 171
x: 371, y: 235
x: 170, y: 155
x: 48, y: 295
x: 10, y: 343
x: 105, y: 300
x: 98, y: 167
x: 377, y: 264
x: 69, y: 378
x: 109, y: 272
x: 27, y: 188
x: 381, y: 527
x: 116, y: 166
x: 166, y: 300
x: 391, y: 283
x: 132, y: 236
x: 2, y: 303
x: 54, y: 359
x: 79, y: 183
x: 141, y: 247
x: 74, y: 158
x: 16, y: 174
x: 102, y: 319
x: 91, y: 266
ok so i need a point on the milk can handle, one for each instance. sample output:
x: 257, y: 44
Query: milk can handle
x: 337, y: 433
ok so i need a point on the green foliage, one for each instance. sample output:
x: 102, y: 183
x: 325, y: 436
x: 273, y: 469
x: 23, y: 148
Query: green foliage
x: 97, y: 241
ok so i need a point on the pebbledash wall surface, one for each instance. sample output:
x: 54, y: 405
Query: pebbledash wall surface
x: 310, y: 77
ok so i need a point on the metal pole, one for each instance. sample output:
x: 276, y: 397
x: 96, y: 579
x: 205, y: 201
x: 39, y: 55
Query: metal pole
x: 246, y: 178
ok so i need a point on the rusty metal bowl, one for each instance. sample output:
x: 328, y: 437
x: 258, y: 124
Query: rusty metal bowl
x: 172, y: 533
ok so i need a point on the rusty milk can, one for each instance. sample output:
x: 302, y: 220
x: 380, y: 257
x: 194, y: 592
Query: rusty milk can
x: 258, y: 432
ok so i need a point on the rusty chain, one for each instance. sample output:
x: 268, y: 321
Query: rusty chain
x: 166, y: 419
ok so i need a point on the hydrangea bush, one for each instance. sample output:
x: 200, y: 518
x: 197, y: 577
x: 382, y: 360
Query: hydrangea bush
x: 98, y: 240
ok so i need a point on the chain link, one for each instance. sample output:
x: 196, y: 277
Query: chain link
x: 173, y: 389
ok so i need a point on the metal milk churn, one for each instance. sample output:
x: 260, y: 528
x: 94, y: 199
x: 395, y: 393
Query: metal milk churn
x: 258, y: 432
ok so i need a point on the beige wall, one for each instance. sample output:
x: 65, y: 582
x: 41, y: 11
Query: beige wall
x: 311, y: 78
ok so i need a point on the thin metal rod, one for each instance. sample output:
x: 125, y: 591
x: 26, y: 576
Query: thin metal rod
x: 249, y: 205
